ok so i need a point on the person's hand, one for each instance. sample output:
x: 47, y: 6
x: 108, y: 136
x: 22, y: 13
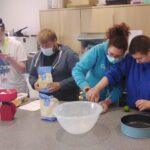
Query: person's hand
x: 36, y: 86
x: 92, y: 95
x: 105, y: 107
x: 54, y: 86
x: 19, y: 66
x: 105, y: 104
x: 4, y: 57
x: 142, y: 104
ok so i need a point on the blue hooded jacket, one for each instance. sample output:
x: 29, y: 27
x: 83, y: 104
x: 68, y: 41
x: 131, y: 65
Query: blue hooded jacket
x: 92, y: 67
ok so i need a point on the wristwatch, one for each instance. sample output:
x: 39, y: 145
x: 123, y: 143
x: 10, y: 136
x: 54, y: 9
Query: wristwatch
x: 86, y: 89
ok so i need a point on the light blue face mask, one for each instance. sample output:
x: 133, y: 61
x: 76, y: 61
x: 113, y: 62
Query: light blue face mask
x: 47, y: 51
x: 113, y: 60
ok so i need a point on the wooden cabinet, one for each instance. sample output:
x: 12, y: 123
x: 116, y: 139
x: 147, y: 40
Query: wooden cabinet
x: 136, y: 16
x: 69, y: 23
x: 65, y: 23
x: 96, y: 19
x: 101, y: 18
x: 50, y: 19
x: 70, y: 28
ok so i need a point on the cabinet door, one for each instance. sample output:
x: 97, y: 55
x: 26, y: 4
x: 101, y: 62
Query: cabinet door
x: 70, y: 28
x: 137, y: 17
x: 50, y: 19
x: 96, y: 19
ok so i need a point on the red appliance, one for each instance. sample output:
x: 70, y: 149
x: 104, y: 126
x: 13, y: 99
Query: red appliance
x: 7, y: 109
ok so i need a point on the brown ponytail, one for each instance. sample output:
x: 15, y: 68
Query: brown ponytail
x: 118, y: 36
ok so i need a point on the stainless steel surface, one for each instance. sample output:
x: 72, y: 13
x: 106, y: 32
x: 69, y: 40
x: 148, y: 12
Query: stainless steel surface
x: 91, y: 36
x: 29, y: 132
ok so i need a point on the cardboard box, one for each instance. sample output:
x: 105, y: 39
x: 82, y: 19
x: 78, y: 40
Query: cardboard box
x: 82, y: 2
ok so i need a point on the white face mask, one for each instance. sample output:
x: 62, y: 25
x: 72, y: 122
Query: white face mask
x: 47, y: 51
x: 113, y: 60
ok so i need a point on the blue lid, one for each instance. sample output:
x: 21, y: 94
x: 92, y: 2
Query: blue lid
x: 44, y: 96
x: 50, y: 119
x: 43, y: 70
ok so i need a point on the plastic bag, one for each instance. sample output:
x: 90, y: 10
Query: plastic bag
x: 47, y: 105
x: 44, y: 78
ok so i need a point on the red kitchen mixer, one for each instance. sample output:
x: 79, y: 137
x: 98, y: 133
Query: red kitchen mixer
x: 7, y: 109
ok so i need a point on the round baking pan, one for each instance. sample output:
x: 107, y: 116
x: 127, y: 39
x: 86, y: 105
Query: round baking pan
x: 136, y: 125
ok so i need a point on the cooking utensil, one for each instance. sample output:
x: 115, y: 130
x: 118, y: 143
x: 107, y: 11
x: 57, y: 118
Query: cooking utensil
x: 7, y: 109
x: 7, y: 95
x: 136, y: 125
x: 77, y: 117
x: 19, y: 33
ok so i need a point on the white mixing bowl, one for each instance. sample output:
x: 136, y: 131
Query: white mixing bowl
x: 77, y: 117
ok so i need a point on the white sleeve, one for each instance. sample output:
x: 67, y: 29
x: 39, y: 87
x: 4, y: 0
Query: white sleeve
x: 21, y: 54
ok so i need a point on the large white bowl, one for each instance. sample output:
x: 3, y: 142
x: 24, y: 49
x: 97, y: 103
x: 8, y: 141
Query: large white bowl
x: 77, y: 117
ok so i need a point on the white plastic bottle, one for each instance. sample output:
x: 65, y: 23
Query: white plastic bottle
x: 54, y: 3
x: 57, y: 3
x: 49, y: 2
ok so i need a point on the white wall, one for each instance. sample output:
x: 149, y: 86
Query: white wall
x: 17, y: 14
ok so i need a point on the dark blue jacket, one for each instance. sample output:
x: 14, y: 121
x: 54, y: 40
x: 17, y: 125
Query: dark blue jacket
x: 61, y: 72
x: 137, y: 79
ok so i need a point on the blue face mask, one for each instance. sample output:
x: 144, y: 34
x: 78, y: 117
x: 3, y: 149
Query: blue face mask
x: 113, y: 60
x: 47, y: 51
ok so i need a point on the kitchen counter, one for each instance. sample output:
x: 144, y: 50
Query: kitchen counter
x: 29, y: 132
